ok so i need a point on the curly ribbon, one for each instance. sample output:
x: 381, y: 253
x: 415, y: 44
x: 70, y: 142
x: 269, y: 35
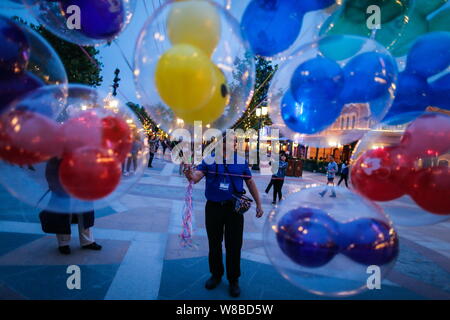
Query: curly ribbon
x: 186, y: 233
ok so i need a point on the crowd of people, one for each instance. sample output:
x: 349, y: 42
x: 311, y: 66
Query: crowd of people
x: 224, y: 210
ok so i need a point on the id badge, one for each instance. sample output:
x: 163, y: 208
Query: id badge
x: 224, y: 186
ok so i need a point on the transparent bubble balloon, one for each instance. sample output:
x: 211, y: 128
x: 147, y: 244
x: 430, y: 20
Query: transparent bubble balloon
x: 326, y: 245
x: 403, y: 165
x: 27, y: 62
x: 83, y: 22
x: 276, y: 28
x: 64, y: 149
x: 191, y: 64
x: 321, y: 98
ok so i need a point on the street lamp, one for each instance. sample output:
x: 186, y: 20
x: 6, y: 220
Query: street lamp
x: 260, y: 113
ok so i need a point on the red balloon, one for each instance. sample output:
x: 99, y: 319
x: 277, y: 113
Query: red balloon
x: 427, y: 136
x: 430, y: 189
x: 89, y: 173
x: 85, y: 130
x: 117, y: 137
x: 28, y: 137
x: 379, y: 174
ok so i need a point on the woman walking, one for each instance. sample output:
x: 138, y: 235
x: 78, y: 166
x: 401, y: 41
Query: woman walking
x: 278, y: 179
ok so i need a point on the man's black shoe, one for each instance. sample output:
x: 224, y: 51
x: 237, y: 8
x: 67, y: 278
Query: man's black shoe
x: 235, y: 291
x: 93, y: 246
x: 212, y: 283
x: 64, y: 249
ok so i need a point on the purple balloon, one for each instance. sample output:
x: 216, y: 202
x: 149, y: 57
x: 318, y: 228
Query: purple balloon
x: 17, y: 86
x: 368, y: 241
x: 100, y: 19
x: 309, y: 237
x: 14, y: 48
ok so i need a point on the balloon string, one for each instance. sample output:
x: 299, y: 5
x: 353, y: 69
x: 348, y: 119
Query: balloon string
x: 146, y: 9
x: 186, y: 233
x: 89, y: 57
x: 124, y: 56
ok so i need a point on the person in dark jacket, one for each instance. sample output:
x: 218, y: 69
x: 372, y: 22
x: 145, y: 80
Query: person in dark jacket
x: 344, y: 173
x: 59, y: 223
x: 278, y: 179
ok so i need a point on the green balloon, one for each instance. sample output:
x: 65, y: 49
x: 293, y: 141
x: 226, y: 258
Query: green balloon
x: 356, y: 10
x: 425, y: 7
x: 338, y: 25
x: 398, y: 37
x: 440, y: 22
x: 340, y: 47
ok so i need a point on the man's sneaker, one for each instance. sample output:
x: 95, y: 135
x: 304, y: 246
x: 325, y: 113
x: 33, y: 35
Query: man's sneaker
x: 321, y: 194
x: 93, y: 246
x: 333, y: 195
x: 235, y: 291
x: 64, y: 249
x: 212, y: 283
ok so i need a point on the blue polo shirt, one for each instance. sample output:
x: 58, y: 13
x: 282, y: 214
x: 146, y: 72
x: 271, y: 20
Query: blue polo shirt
x: 216, y: 174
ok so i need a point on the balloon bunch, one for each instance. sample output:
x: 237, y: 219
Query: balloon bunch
x: 326, y: 244
x: 83, y: 22
x: 415, y: 166
x: 75, y: 124
x: 311, y: 238
x: 273, y: 26
x: 24, y: 62
x: 185, y: 77
x: 418, y: 86
x: 320, y: 87
x: 395, y: 24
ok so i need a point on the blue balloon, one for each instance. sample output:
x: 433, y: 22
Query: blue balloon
x: 430, y: 54
x: 312, y: 5
x: 17, y: 86
x: 14, y: 48
x: 271, y: 26
x: 413, y: 94
x: 101, y: 19
x: 317, y: 78
x: 440, y: 92
x: 368, y: 76
x: 368, y: 241
x: 309, y: 237
x: 309, y: 115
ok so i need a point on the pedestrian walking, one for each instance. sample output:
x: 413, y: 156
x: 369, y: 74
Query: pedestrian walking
x: 344, y: 173
x: 332, y: 168
x: 278, y: 179
x: 152, y: 142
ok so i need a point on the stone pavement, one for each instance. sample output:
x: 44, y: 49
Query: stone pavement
x: 142, y: 257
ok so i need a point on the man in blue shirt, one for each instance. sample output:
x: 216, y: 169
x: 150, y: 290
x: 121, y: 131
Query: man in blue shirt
x: 222, y: 181
x: 332, y: 169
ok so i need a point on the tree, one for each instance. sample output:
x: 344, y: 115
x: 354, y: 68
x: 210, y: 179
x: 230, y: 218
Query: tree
x: 148, y: 124
x: 264, y: 74
x: 79, y: 67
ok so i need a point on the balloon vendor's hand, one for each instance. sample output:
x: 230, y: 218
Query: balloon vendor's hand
x: 259, y: 211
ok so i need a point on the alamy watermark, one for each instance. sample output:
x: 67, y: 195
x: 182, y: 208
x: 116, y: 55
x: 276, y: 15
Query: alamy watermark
x: 74, y: 280
x: 235, y: 147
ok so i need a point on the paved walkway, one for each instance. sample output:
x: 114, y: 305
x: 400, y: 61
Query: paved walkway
x: 142, y: 257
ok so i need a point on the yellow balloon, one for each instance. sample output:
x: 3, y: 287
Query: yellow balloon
x: 196, y: 23
x: 185, y: 78
x: 212, y: 110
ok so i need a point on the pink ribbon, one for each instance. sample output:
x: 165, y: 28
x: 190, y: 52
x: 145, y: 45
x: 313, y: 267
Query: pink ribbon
x: 186, y: 233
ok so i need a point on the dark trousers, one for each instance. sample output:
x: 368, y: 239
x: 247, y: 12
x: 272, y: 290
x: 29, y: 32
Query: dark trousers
x: 269, y: 185
x: 277, y: 186
x: 345, y: 178
x: 150, y: 160
x: 220, y: 221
